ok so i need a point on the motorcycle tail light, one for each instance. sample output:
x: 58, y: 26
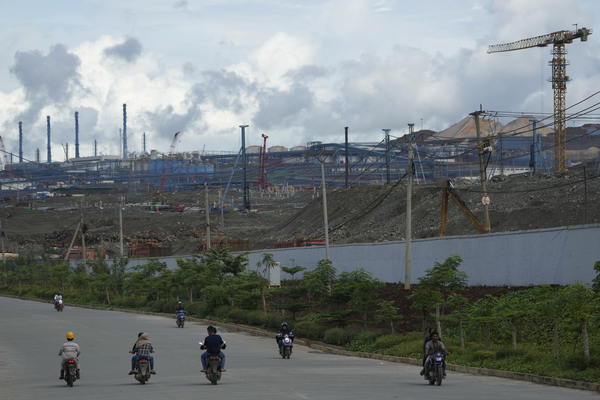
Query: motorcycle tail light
x: 143, y: 361
x: 214, y: 358
x: 71, y: 361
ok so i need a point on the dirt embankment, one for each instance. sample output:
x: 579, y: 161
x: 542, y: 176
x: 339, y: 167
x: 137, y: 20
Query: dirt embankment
x: 357, y: 215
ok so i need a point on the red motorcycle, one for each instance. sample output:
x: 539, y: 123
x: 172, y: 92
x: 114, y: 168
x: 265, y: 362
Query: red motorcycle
x: 59, y: 306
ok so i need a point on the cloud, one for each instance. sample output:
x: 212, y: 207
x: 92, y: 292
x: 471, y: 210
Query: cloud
x: 128, y: 51
x: 181, y: 5
x: 46, y: 79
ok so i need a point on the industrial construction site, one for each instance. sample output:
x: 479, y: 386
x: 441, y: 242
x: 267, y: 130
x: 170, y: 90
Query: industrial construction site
x: 477, y: 176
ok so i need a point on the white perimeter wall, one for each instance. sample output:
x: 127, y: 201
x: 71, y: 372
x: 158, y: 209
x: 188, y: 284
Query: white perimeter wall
x: 558, y: 256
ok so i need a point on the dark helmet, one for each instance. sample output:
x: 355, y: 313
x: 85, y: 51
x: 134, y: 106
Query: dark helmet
x: 57, y: 292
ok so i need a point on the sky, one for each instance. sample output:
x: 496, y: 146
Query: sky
x: 295, y: 71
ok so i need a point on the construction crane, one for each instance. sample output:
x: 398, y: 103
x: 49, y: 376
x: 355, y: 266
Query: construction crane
x: 559, y: 80
x: 262, y: 182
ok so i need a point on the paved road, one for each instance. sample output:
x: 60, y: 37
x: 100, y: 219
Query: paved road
x: 31, y: 334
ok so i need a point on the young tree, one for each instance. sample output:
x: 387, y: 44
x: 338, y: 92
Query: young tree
x: 444, y: 278
x: 294, y: 269
x: 484, y: 312
x: 582, y: 303
x: 460, y: 312
x: 387, y: 313
x: 267, y: 262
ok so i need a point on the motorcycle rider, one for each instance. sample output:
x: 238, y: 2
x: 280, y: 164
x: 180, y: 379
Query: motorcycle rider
x: 69, y: 351
x: 57, y: 297
x: 212, y: 344
x: 142, y: 348
x: 179, y: 307
x: 433, y: 346
x: 281, y: 333
x: 427, y: 339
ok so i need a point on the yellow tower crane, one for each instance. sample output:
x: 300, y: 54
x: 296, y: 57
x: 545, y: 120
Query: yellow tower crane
x: 559, y: 80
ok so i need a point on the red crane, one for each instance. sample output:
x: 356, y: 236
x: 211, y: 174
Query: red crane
x: 168, y: 166
x: 262, y: 182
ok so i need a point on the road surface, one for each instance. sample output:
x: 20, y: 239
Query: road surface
x: 31, y: 334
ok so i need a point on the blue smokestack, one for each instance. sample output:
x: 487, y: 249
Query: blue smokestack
x: 124, y: 131
x: 20, y: 141
x: 49, y: 147
x: 76, y: 134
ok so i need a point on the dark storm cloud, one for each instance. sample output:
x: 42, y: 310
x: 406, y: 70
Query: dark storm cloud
x: 128, y: 51
x: 47, y: 79
x: 278, y: 108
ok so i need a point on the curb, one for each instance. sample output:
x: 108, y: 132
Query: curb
x: 337, y: 350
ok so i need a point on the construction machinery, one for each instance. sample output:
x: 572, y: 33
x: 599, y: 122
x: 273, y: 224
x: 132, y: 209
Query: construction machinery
x: 449, y: 191
x: 559, y: 80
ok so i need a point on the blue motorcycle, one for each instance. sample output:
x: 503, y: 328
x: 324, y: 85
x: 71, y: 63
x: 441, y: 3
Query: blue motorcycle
x: 180, y: 318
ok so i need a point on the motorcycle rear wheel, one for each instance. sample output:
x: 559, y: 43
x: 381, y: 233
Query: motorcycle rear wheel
x: 69, y: 379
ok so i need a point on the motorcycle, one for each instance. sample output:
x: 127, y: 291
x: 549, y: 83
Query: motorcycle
x: 180, y: 318
x: 59, y: 306
x: 436, y: 368
x: 70, y: 372
x: 213, y: 367
x: 286, y: 347
x: 142, y: 370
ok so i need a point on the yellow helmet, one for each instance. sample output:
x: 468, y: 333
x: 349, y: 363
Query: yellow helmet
x: 70, y: 335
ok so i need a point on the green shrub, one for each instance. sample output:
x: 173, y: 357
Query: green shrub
x: 474, y: 346
x: 412, y: 348
x: 309, y: 330
x: 274, y: 320
x: 221, y: 312
x: 534, y: 355
x: 238, y: 316
x: 256, y: 318
x: 579, y: 362
x: 458, y: 351
x: 506, y: 352
x: 371, y: 336
x: 482, y: 355
x: 340, y: 336
x: 388, y: 341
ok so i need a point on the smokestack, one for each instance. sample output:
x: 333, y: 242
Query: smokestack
x: 144, y: 143
x: 20, y: 141
x: 95, y: 148
x: 76, y: 134
x: 49, y: 147
x: 124, y: 131
x: 37, y: 155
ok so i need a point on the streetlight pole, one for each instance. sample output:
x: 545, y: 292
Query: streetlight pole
x: 246, y: 203
x: 409, y: 175
x: 482, y: 173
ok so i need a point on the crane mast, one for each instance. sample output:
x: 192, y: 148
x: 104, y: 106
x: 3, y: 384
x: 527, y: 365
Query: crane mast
x: 559, y: 80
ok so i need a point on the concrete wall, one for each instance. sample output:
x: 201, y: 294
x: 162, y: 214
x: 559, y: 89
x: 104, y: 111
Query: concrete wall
x: 547, y: 256
x: 558, y: 256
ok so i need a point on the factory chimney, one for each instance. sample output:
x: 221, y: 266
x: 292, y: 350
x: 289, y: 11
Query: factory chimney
x: 49, y: 146
x: 20, y: 141
x: 76, y: 134
x: 124, y: 131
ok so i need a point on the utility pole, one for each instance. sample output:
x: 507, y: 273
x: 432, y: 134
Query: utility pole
x: 482, y: 173
x: 2, y: 236
x: 325, y: 223
x: 409, y: 174
x: 221, y: 201
x: 207, y: 217
x: 346, y: 130
x: 121, y: 225
x: 83, y: 245
x: 246, y: 202
x: 534, y: 147
x: 387, y: 155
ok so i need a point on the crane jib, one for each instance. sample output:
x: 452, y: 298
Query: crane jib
x: 542, y: 41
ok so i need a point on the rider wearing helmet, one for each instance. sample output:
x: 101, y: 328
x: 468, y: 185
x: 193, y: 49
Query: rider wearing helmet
x: 281, y: 333
x: 69, y: 351
x: 57, y: 297
x: 179, y: 307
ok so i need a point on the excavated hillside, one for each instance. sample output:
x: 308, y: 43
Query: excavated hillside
x: 357, y: 215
